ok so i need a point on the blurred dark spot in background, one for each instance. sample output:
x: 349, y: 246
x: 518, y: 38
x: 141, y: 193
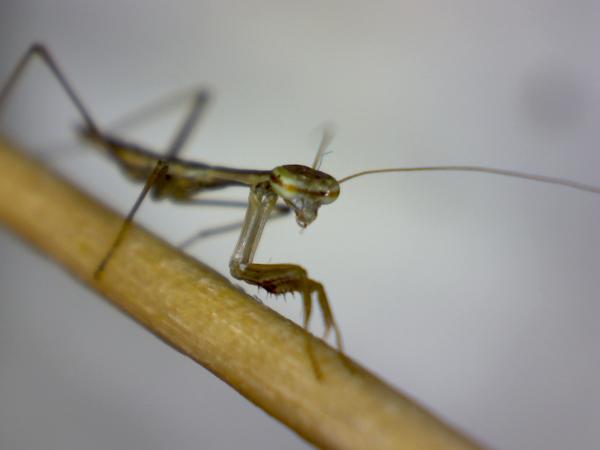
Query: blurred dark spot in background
x: 553, y: 99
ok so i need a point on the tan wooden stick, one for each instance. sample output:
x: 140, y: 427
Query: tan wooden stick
x: 259, y: 353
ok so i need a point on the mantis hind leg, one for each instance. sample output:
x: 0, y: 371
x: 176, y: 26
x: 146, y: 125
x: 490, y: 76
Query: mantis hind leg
x: 91, y: 130
x: 200, y: 101
x: 279, y: 211
x: 156, y: 178
x: 48, y: 59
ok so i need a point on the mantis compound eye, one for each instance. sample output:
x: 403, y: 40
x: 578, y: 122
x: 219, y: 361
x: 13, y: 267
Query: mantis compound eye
x: 304, y: 190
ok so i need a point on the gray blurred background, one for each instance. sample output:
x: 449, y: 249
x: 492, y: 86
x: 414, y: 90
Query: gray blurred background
x: 476, y: 295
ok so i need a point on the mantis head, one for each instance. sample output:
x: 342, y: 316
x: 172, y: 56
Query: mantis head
x: 304, y: 189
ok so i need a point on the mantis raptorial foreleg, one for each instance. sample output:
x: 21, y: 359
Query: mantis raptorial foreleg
x: 277, y: 278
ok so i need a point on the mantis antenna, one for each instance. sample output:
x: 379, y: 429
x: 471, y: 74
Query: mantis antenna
x: 506, y: 173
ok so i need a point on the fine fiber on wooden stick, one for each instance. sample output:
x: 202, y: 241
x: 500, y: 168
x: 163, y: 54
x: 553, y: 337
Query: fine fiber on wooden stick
x: 259, y: 353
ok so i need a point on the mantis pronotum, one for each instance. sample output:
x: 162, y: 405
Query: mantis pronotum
x: 303, y: 189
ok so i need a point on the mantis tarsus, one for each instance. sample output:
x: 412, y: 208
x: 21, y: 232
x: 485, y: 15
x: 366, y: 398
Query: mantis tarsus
x: 303, y: 189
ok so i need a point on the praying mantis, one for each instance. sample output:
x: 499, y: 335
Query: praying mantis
x: 302, y: 189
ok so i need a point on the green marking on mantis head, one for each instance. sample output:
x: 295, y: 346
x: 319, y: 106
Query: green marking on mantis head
x: 304, y: 190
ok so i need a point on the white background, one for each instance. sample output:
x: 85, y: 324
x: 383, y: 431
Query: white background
x: 476, y: 295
